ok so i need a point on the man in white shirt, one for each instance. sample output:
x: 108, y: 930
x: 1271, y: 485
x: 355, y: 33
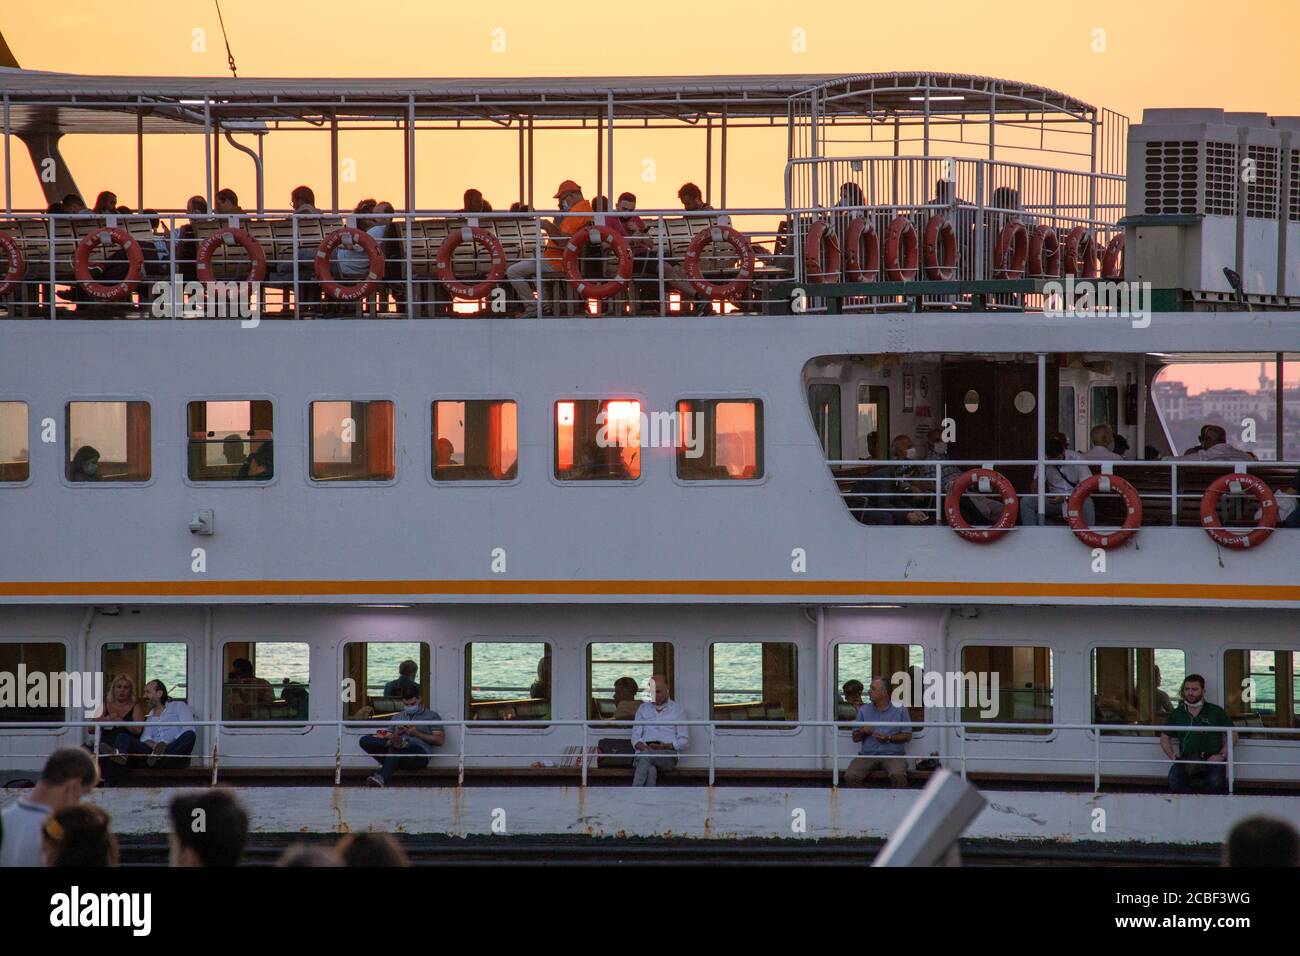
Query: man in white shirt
x: 1060, y: 481
x: 1215, y: 447
x: 656, y: 738
x: 69, y: 775
x: 1103, y: 442
x: 166, y: 736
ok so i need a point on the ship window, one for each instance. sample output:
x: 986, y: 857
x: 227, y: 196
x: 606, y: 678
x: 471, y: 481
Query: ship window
x: 265, y: 680
x: 598, y: 440
x: 379, y: 672
x: 753, y: 681
x: 1135, y: 685
x: 230, y: 441
x: 900, y: 664
x: 15, y: 457
x: 719, y: 440
x: 1263, y: 690
x: 352, y: 441
x: 618, y: 676
x: 971, y: 401
x: 142, y: 661
x: 1105, y: 407
x: 1023, y: 694
x: 107, y: 441
x: 45, y: 658
x: 475, y: 441
x: 508, y: 680
x: 824, y: 403
x: 873, y: 421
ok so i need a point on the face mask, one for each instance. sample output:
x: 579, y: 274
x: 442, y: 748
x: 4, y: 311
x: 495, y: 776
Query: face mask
x: 411, y: 711
x: 940, y: 447
x: 911, y: 453
x: 564, y: 204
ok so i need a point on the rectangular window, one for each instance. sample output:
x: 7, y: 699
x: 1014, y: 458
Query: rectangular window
x: 15, y: 456
x: 508, y: 681
x: 44, y: 658
x: 381, y: 673
x: 618, y: 676
x: 1263, y: 690
x: 719, y: 439
x: 1135, y: 685
x: 755, y: 681
x: 873, y: 421
x: 598, y: 440
x: 1024, y: 689
x: 352, y: 441
x: 107, y: 441
x: 897, y: 663
x: 1065, y: 412
x: 143, y: 661
x: 230, y: 441
x: 475, y: 441
x: 824, y: 403
x: 265, y: 680
x: 1105, y: 407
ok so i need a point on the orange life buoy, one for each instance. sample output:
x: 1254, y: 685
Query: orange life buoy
x: 1044, y: 253
x: 81, y: 263
x: 900, y: 250
x: 716, y: 290
x: 479, y: 237
x: 17, y: 264
x: 940, y: 248
x: 987, y: 478
x: 230, y: 235
x: 1235, y: 484
x: 861, y: 251
x: 1105, y: 484
x: 1011, y: 252
x: 821, y: 253
x: 1079, y: 258
x: 356, y: 290
x: 604, y: 236
x: 1112, y: 261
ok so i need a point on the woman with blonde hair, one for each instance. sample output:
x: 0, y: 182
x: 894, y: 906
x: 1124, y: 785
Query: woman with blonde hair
x: 120, y: 704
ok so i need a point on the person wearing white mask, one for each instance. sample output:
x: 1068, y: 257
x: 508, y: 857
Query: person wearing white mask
x: 406, y: 746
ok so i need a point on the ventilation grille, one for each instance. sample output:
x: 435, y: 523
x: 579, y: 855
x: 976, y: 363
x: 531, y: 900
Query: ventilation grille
x: 1171, y: 177
x: 1262, y: 193
x: 1294, y: 201
x: 1220, y: 179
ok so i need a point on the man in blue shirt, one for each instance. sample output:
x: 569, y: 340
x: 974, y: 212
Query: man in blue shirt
x: 407, y: 746
x: 882, y: 746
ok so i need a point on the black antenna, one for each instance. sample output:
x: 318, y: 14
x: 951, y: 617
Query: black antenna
x: 230, y: 57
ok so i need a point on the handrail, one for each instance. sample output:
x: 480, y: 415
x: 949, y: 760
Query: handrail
x: 1114, y: 732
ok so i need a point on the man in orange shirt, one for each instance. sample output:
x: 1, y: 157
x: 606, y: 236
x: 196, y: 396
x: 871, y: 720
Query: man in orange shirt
x: 570, y: 199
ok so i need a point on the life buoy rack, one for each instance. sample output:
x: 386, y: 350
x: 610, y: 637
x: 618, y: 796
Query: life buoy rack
x: 230, y: 236
x: 1011, y: 251
x: 1105, y: 484
x: 861, y: 251
x: 81, y: 263
x: 719, y: 290
x: 1044, y: 253
x: 821, y: 254
x: 1236, y: 484
x: 1112, y: 260
x: 901, y: 250
x: 344, y: 292
x: 1079, y: 257
x: 940, y: 248
x: 988, y: 480
x: 17, y: 264
x: 604, y: 236
x: 479, y: 237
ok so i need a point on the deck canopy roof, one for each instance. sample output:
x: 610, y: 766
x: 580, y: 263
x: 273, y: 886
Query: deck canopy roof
x: 41, y: 102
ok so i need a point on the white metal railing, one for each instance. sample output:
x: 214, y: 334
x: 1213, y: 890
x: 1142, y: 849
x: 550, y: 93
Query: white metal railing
x: 1100, y: 731
x: 922, y: 486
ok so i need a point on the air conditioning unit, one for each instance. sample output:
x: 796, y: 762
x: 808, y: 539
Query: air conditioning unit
x: 1259, y: 162
x: 1288, y: 128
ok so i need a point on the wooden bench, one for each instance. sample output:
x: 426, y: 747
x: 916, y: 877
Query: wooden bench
x: 1153, y: 484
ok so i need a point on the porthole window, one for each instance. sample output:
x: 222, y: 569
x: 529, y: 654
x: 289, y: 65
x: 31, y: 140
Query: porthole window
x: 972, y: 401
x: 1025, y: 401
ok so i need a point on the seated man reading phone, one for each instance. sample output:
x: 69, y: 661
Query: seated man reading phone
x: 406, y: 746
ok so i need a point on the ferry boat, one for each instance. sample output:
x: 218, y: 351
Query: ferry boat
x: 270, y: 455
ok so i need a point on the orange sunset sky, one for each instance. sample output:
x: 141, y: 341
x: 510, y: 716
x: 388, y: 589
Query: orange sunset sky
x: 1156, y: 53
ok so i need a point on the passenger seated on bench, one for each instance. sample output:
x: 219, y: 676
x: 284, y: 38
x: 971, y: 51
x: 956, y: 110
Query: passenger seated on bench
x: 569, y: 197
x: 120, y: 705
x: 407, y: 673
x: 106, y: 203
x: 1198, y: 745
x: 405, y: 746
x: 187, y: 244
x: 260, y: 465
x: 1061, y: 480
x: 166, y: 739
x: 882, y: 747
x: 474, y: 202
x: 625, y: 703
x: 656, y: 739
x: 852, y: 703
x: 303, y: 201
x: 1215, y: 447
x: 232, y: 449
x: 84, y: 465
x: 246, y: 693
x: 1103, y: 445
x: 226, y: 203
x: 73, y: 205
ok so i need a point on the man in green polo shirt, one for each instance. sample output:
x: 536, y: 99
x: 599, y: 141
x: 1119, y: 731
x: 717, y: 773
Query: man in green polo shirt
x: 1197, y: 745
